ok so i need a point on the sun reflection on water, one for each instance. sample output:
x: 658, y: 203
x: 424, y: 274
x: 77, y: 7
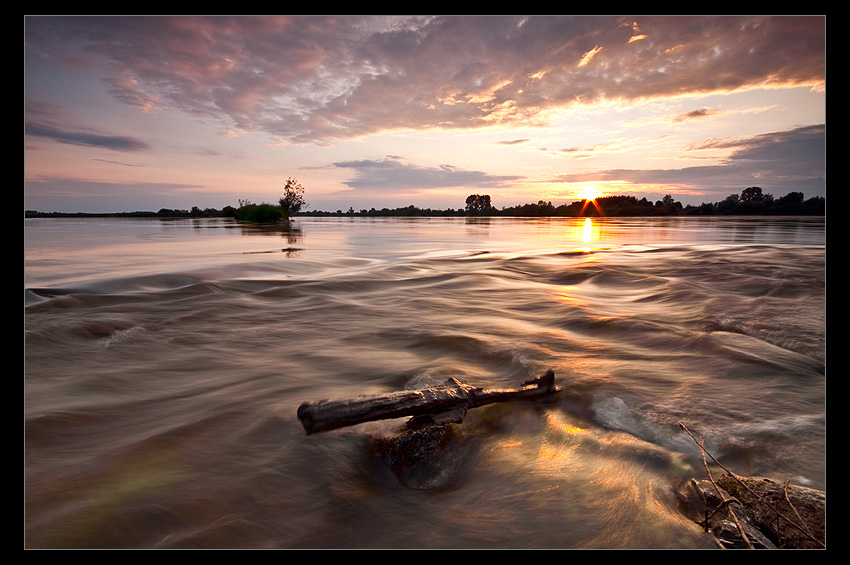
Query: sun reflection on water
x: 557, y: 422
x: 586, y: 233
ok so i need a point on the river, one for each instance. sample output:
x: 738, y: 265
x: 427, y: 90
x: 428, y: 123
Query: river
x: 165, y: 361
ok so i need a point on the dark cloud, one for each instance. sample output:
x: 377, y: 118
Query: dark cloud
x: 112, y: 162
x: 804, y: 147
x: 49, y: 121
x: 611, y: 146
x: 695, y: 114
x: 393, y: 174
x: 319, y: 79
x: 779, y: 162
x: 113, y: 142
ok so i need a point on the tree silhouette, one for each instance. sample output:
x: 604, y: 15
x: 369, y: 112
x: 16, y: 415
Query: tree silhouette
x: 293, y: 198
x: 478, y: 205
x: 752, y: 194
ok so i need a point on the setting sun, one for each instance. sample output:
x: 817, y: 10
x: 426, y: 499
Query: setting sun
x: 590, y: 193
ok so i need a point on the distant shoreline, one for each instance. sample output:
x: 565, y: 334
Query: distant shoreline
x: 92, y: 215
x: 31, y: 214
x: 751, y: 202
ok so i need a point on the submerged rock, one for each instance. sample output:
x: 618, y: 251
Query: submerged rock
x: 745, y: 509
x: 700, y: 501
x: 425, y: 457
x: 769, y: 507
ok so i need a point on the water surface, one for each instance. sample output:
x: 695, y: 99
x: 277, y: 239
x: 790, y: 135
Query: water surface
x: 165, y: 361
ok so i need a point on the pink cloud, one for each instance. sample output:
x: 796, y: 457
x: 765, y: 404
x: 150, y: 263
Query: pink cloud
x: 308, y: 79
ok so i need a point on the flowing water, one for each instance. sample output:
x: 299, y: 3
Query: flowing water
x: 165, y: 362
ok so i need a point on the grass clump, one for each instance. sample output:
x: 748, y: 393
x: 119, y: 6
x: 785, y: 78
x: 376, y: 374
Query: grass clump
x: 259, y: 213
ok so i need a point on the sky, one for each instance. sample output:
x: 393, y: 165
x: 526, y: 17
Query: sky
x: 142, y: 113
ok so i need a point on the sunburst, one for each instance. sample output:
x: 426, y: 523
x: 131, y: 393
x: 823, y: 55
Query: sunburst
x: 590, y: 196
x: 590, y: 193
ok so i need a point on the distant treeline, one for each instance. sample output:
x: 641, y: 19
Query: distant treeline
x: 751, y: 201
x: 195, y: 212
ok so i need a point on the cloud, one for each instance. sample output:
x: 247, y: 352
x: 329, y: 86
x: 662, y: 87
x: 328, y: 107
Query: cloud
x: 321, y: 79
x: 802, y: 146
x: 113, y: 162
x: 608, y: 147
x: 779, y: 162
x: 695, y: 114
x: 113, y: 142
x: 394, y: 174
x: 585, y: 59
x: 49, y: 121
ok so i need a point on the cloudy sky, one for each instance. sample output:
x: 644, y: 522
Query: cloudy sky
x: 143, y: 113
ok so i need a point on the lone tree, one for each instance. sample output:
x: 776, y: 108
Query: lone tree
x: 293, y: 198
x: 752, y: 194
x: 478, y: 205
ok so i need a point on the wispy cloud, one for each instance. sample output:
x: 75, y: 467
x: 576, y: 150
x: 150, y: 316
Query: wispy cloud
x: 393, y: 173
x: 495, y: 103
x: 50, y: 121
x: 787, y: 161
x: 113, y: 142
x: 586, y: 58
x: 695, y: 114
x: 319, y: 79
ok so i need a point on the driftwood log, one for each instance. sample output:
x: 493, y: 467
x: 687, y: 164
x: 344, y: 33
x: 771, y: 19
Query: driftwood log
x: 447, y: 403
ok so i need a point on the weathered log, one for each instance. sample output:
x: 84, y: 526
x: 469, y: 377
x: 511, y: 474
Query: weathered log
x: 446, y: 403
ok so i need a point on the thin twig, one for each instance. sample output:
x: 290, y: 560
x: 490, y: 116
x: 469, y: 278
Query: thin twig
x: 808, y: 531
x: 724, y: 501
x: 770, y: 505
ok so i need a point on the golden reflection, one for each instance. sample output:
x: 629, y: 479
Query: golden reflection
x: 555, y: 421
x: 559, y: 451
x: 586, y: 232
x: 553, y: 454
x: 509, y: 444
x: 567, y: 293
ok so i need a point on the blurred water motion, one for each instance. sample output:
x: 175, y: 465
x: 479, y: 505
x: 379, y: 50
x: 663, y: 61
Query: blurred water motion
x: 164, y: 362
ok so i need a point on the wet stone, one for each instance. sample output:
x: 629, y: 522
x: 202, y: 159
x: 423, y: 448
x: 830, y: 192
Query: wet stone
x: 753, y: 503
x: 425, y: 458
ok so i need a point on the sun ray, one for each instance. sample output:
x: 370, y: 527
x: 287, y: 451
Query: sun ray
x: 590, y: 196
x: 590, y: 193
